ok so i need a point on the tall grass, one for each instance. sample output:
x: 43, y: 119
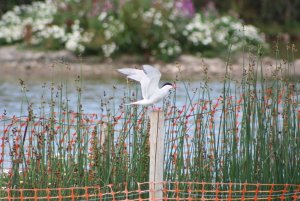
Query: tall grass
x: 250, y: 133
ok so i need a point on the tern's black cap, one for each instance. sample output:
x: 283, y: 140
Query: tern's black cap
x: 168, y: 83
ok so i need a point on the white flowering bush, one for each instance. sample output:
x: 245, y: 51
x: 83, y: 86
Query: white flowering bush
x: 205, y: 32
x: 34, y: 24
x: 230, y: 31
x: 107, y: 31
x: 154, y: 29
x: 25, y: 18
x: 199, y: 31
x: 167, y: 49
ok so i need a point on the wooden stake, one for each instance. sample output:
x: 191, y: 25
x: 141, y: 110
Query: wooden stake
x: 156, y: 169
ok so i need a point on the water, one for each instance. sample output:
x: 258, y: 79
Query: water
x: 14, y: 100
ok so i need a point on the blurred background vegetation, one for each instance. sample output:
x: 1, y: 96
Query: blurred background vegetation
x: 207, y: 27
x: 272, y: 17
x: 6, y: 5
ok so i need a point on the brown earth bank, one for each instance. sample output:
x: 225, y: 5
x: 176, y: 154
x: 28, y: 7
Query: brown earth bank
x: 17, y: 63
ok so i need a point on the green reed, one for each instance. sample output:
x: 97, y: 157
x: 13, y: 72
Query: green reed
x: 249, y: 133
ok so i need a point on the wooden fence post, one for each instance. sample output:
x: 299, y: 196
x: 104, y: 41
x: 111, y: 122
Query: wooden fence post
x: 156, y: 169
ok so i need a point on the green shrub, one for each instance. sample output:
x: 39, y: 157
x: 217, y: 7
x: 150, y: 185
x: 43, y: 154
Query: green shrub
x: 137, y: 27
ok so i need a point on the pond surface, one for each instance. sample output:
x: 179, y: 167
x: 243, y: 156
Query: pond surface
x: 14, y: 99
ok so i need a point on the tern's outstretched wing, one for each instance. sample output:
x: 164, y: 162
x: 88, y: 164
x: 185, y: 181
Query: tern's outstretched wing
x: 140, y: 76
x: 154, y: 76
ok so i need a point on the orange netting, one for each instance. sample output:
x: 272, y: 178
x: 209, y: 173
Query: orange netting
x: 167, y: 191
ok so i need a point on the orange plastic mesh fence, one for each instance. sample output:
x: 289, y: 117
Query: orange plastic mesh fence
x: 168, y: 191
